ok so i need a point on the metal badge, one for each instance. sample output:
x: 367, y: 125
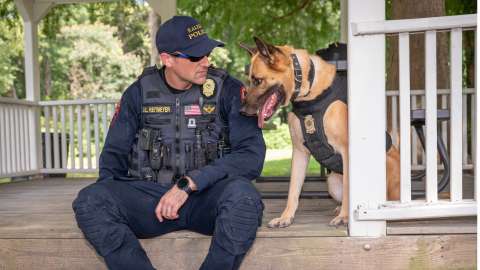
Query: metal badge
x: 191, y: 123
x: 309, y: 124
x: 208, y: 88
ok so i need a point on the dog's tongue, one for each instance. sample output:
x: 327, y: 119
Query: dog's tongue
x: 267, y: 109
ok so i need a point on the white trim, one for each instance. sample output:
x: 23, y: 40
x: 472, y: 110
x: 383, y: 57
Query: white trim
x: 54, y: 171
x: 417, y: 210
x: 76, y: 102
x: 420, y: 92
x: 24, y: 173
x: 413, y: 25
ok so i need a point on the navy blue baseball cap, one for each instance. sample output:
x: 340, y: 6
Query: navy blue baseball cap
x: 186, y: 35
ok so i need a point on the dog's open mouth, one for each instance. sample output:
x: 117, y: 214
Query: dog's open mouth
x: 269, y: 103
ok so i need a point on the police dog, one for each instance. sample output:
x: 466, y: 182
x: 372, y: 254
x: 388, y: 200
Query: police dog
x: 273, y: 73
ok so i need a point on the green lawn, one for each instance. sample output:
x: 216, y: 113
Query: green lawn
x: 281, y: 167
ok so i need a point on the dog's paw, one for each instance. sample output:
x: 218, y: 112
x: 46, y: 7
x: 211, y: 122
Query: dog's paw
x: 339, y: 220
x: 337, y: 209
x: 280, y: 222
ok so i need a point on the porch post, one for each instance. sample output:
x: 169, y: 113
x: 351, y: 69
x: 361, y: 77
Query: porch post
x: 366, y: 117
x: 32, y: 13
x: 165, y: 9
x: 343, y: 21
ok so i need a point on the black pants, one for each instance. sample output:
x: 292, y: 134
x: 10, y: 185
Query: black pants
x: 113, y: 214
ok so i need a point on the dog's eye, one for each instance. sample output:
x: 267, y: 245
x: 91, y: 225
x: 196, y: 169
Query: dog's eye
x: 256, y: 81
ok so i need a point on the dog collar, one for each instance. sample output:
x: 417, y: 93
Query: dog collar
x: 297, y: 71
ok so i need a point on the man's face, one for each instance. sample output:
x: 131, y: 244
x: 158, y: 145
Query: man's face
x: 193, y: 70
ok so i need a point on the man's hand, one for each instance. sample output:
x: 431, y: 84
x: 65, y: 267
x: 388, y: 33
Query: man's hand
x: 172, y: 201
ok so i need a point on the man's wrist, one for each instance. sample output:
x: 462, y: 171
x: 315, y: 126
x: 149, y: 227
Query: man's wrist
x: 186, y: 184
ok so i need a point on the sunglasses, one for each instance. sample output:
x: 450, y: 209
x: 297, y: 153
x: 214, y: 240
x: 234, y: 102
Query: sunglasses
x: 191, y: 58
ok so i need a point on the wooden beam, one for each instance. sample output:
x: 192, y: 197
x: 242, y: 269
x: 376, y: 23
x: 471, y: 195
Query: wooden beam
x: 393, y: 252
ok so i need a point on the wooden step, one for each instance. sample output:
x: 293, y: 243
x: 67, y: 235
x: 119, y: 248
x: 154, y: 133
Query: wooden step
x: 38, y: 231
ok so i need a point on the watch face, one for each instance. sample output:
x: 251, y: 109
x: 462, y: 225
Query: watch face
x: 182, y: 183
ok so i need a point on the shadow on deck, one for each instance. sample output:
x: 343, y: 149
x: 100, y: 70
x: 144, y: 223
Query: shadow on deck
x: 38, y: 231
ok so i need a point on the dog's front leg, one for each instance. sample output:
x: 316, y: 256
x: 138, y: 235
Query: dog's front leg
x: 300, y: 158
x: 342, y: 217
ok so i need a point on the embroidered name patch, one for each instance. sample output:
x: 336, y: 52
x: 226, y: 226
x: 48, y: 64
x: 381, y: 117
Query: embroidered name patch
x: 157, y: 109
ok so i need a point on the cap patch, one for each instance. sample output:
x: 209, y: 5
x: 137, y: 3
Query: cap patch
x: 195, y: 31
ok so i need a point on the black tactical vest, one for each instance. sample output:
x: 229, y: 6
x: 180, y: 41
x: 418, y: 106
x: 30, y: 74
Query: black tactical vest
x: 179, y: 132
x: 311, y: 115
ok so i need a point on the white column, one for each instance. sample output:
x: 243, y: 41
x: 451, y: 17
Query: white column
x: 32, y: 12
x: 343, y: 21
x: 366, y: 117
x: 165, y: 9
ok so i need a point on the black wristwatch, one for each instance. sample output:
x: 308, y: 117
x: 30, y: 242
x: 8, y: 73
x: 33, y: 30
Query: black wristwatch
x: 183, y: 184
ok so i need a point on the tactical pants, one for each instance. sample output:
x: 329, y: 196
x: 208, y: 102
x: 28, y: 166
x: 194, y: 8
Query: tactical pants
x: 113, y: 214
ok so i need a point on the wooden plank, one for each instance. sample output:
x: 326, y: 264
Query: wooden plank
x: 442, y: 226
x: 405, y: 127
x: 393, y: 252
x: 431, y: 114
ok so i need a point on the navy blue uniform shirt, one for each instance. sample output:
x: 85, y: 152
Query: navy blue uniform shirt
x: 248, y: 147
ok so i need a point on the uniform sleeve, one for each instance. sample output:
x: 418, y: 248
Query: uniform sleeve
x: 246, y: 140
x: 113, y: 161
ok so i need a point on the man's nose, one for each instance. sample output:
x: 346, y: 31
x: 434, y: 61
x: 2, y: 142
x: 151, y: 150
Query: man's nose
x: 205, y: 62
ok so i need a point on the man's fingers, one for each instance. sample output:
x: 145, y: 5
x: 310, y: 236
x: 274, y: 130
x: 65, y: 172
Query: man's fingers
x: 158, y: 211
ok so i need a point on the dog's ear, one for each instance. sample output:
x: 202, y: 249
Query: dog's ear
x: 267, y: 51
x: 250, y: 50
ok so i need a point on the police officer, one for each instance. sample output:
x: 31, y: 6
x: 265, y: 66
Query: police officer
x: 178, y: 155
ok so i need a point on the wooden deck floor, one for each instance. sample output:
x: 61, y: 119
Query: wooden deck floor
x: 38, y: 231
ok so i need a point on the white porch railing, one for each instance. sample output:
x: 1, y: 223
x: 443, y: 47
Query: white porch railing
x: 75, y: 132
x: 369, y: 210
x: 15, y: 144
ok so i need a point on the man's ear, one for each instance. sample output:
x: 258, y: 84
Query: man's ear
x: 250, y: 50
x: 166, y: 59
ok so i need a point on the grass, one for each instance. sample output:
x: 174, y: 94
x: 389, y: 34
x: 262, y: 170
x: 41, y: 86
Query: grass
x: 281, y: 167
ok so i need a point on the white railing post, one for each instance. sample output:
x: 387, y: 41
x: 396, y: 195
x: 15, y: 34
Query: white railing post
x: 366, y: 85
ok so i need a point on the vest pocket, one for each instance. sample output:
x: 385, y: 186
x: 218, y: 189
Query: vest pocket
x: 189, y: 157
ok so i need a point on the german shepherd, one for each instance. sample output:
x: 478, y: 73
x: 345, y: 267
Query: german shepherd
x: 278, y: 76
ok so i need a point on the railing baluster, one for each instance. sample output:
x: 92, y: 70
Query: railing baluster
x: 64, y: 137
x: 97, y: 147
x: 16, y: 143
x: 56, y: 148
x: 3, y: 143
x: 88, y: 131
x: 80, y: 135
x: 405, y: 155
x: 456, y: 105
x: 414, y: 136
x: 48, y: 148
x: 21, y: 138
x: 431, y: 115
x: 464, y: 132
x: 25, y: 138
x: 72, y: 137
x: 104, y: 121
x: 394, y: 119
